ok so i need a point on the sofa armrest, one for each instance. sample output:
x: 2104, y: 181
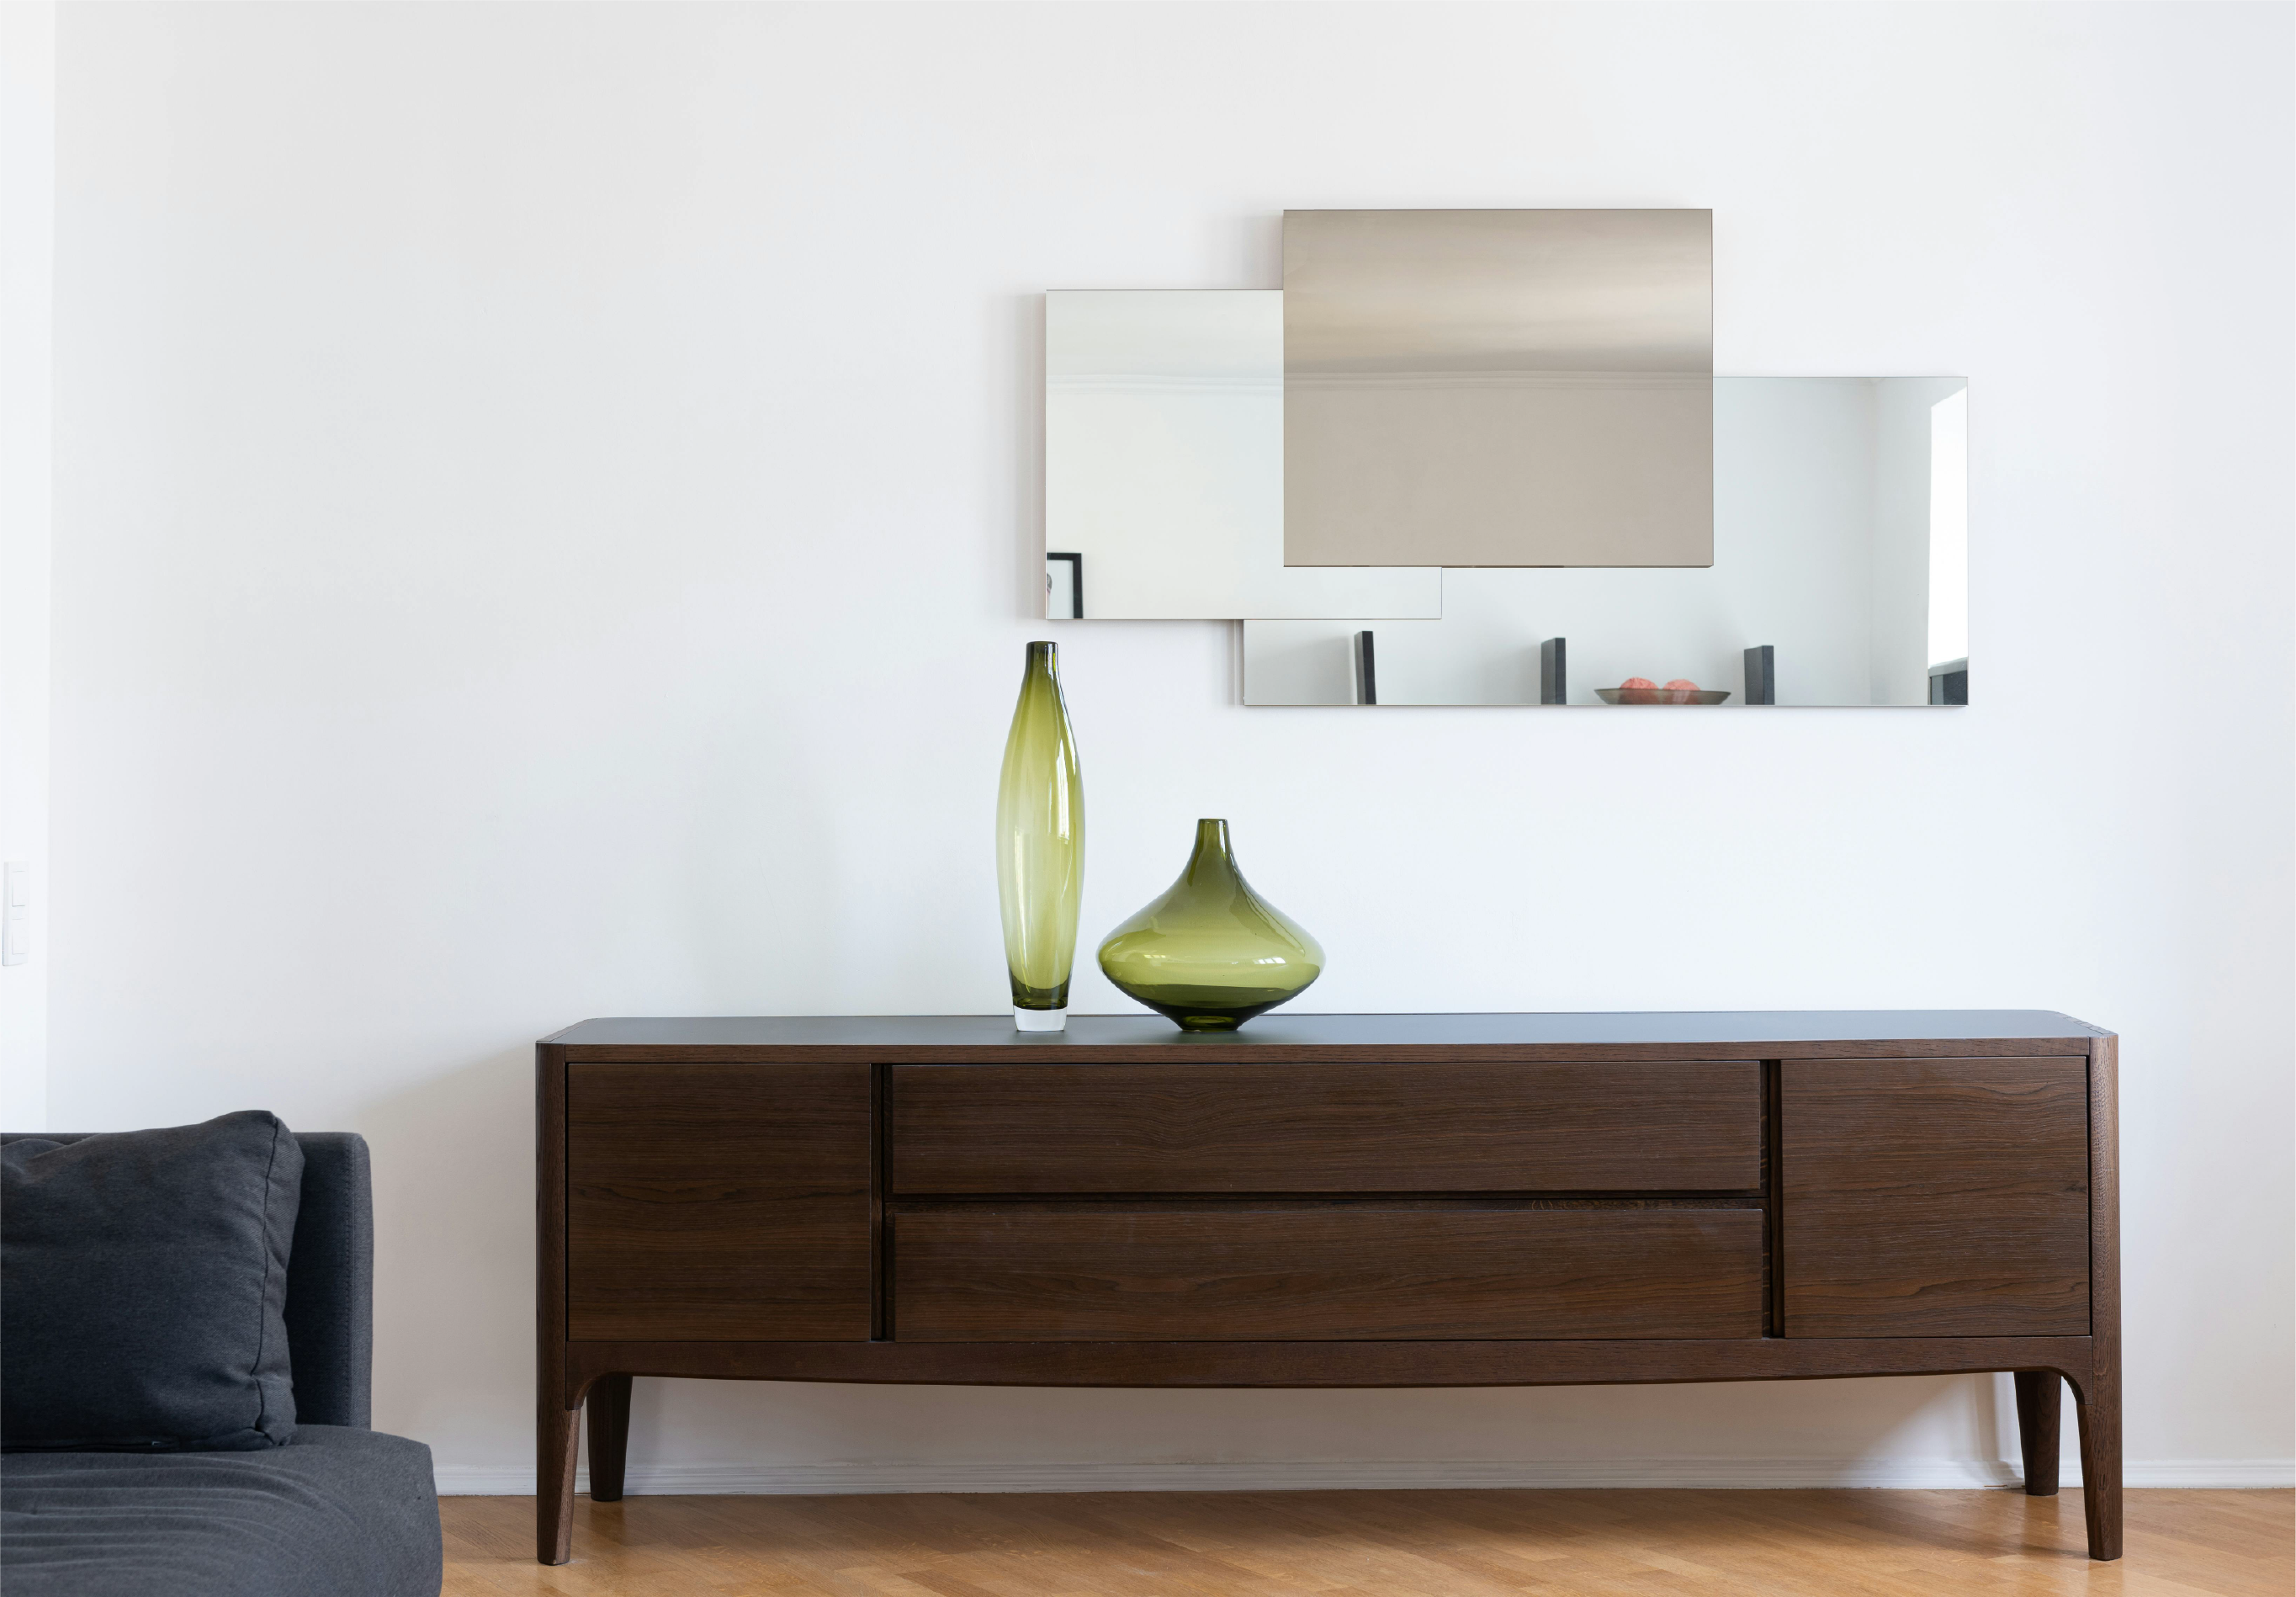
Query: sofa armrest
x: 331, y: 1282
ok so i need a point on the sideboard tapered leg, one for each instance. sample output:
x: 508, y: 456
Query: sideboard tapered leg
x: 2098, y: 1404
x: 2039, y: 1404
x: 610, y: 1436
x: 557, y: 1435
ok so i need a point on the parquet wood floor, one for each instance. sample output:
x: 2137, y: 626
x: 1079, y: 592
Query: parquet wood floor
x: 1417, y: 1544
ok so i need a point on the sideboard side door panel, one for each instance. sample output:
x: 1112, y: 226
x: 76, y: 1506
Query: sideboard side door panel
x: 718, y: 1203
x: 1935, y: 1197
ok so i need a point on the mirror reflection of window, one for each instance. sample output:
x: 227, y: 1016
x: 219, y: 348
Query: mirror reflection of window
x: 1063, y: 586
x: 1949, y: 531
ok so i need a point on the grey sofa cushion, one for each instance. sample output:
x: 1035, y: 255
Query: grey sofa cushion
x: 142, y: 1280
x: 339, y: 1513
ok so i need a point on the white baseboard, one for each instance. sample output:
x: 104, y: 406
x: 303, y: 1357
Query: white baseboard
x: 2245, y: 1474
x: 1355, y: 1476
x: 1269, y: 1476
x: 704, y: 1480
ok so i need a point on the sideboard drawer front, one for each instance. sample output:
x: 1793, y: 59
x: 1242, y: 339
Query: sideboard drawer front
x: 717, y: 1202
x: 1370, y: 1127
x: 1935, y: 1197
x: 1342, y: 1274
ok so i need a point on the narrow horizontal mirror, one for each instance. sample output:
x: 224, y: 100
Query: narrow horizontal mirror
x: 1164, y: 467
x: 1839, y: 577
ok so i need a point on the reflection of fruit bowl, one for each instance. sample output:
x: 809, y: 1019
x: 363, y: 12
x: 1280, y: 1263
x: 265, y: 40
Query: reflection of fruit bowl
x: 1661, y: 695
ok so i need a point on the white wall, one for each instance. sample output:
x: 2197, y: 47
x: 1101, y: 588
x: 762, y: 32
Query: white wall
x: 27, y: 73
x: 547, y: 524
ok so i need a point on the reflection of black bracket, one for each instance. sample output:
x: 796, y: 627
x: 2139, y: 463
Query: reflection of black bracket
x: 1366, y: 680
x: 1762, y: 673
x: 1949, y: 682
x: 1554, y: 687
x: 1075, y: 586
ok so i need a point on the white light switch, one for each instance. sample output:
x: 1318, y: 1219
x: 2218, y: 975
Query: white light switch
x: 16, y: 936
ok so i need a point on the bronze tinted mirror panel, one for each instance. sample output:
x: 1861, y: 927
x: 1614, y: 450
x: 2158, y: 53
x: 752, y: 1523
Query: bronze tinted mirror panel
x: 1498, y: 387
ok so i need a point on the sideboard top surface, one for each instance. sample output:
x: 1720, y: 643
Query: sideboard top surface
x: 1746, y: 1033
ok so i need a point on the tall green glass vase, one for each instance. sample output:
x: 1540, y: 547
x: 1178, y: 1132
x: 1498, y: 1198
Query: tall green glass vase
x: 1210, y: 953
x: 1040, y: 846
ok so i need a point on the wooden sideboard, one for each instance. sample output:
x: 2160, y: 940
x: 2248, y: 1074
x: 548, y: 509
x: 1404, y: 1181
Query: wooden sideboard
x: 1329, y: 1201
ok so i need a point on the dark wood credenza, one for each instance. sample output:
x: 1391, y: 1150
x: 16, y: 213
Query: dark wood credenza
x: 1329, y: 1201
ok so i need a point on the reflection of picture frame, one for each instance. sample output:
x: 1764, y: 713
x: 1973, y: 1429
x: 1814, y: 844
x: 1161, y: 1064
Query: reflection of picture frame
x: 1063, y: 586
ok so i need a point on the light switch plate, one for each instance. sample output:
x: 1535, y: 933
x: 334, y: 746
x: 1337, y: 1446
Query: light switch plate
x: 16, y: 927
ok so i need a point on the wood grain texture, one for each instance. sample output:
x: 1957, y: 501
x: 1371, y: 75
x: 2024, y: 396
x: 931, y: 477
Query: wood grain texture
x: 1285, y: 1036
x: 662, y: 1205
x: 2098, y: 1398
x: 2096, y: 1405
x: 555, y: 1427
x: 1355, y: 1128
x: 557, y: 1443
x: 608, y: 1407
x: 1322, y: 1364
x: 1935, y: 1197
x: 718, y: 1201
x: 1354, y: 1273
x: 2040, y: 1412
x: 1443, y: 1542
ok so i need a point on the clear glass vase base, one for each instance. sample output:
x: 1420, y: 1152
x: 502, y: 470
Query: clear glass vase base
x: 1040, y: 1020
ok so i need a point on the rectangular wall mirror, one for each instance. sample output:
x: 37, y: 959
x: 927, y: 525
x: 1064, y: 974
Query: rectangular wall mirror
x: 1836, y: 574
x: 1839, y: 577
x: 1164, y: 467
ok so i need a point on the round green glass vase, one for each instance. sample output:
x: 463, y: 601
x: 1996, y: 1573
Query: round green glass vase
x: 1210, y: 953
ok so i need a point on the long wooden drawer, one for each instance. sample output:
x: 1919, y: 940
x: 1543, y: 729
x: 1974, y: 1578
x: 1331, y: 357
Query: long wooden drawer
x: 1624, y: 1127
x: 1344, y: 1273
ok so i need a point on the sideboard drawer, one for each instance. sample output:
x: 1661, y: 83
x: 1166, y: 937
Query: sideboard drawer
x: 718, y: 1203
x: 1630, y: 1126
x: 1345, y: 1272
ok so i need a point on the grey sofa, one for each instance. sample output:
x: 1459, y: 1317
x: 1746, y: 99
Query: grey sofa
x: 341, y: 1510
